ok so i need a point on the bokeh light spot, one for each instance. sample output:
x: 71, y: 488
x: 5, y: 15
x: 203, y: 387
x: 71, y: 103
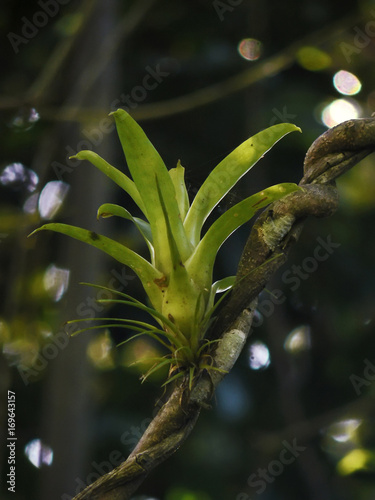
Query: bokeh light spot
x: 250, y: 49
x: 313, y: 59
x: 38, y: 453
x: 178, y: 493
x: 344, y: 430
x: 25, y: 119
x: 18, y: 177
x: 346, y: 83
x: 56, y: 281
x: 31, y: 204
x: 140, y: 355
x: 259, y: 356
x: 51, y: 198
x: 298, y: 339
x: 355, y: 460
x: 100, y: 352
x: 340, y: 110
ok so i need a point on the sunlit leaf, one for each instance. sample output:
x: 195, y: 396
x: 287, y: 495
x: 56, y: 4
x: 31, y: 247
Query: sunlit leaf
x: 200, y: 265
x: 178, y: 280
x: 144, y: 270
x: 155, y: 186
x: 109, y: 209
x: 178, y: 178
x: 114, y: 174
x: 227, y: 173
x: 223, y: 285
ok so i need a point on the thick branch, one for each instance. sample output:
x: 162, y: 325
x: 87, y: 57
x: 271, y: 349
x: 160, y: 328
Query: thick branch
x: 338, y: 149
x: 173, y: 423
x: 276, y: 230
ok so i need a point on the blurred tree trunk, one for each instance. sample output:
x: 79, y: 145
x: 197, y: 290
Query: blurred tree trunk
x: 68, y: 405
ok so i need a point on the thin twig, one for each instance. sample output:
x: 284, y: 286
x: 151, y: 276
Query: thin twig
x: 207, y: 95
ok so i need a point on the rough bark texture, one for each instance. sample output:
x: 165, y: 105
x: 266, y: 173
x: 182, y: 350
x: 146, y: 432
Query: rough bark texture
x: 276, y: 230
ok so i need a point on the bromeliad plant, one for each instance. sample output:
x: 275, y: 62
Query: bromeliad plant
x: 178, y: 277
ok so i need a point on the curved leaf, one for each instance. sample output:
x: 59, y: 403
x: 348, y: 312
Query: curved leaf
x: 148, y: 275
x: 176, y: 335
x: 223, y: 285
x: 114, y: 174
x: 128, y: 325
x: 201, y: 263
x: 110, y: 209
x: 155, y: 186
x: 227, y: 173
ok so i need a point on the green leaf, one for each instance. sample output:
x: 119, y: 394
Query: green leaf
x: 178, y: 178
x: 151, y: 334
x: 109, y: 209
x: 173, y: 378
x: 174, y: 254
x: 157, y: 366
x: 177, y: 336
x: 148, y: 171
x: 223, y: 285
x: 147, y: 359
x: 200, y: 265
x: 128, y: 324
x: 114, y: 174
x: 148, y: 275
x: 227, y: 173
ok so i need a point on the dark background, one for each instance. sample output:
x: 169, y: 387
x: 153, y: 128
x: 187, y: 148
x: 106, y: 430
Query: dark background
x: 79, y: 400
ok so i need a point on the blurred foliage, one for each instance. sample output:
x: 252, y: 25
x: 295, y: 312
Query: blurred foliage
x: 208, y: 100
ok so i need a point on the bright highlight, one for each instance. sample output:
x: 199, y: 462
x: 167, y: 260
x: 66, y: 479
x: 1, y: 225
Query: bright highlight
x: 346, y: 83
x: 250, y: 49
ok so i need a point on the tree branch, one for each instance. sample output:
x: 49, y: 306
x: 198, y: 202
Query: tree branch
x: 174, y: 422
x: 276, y: 230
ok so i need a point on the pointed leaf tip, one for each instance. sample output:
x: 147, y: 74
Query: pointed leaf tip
x: 36, y: 231
x: 156, y: 189
x: 228, y: 172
